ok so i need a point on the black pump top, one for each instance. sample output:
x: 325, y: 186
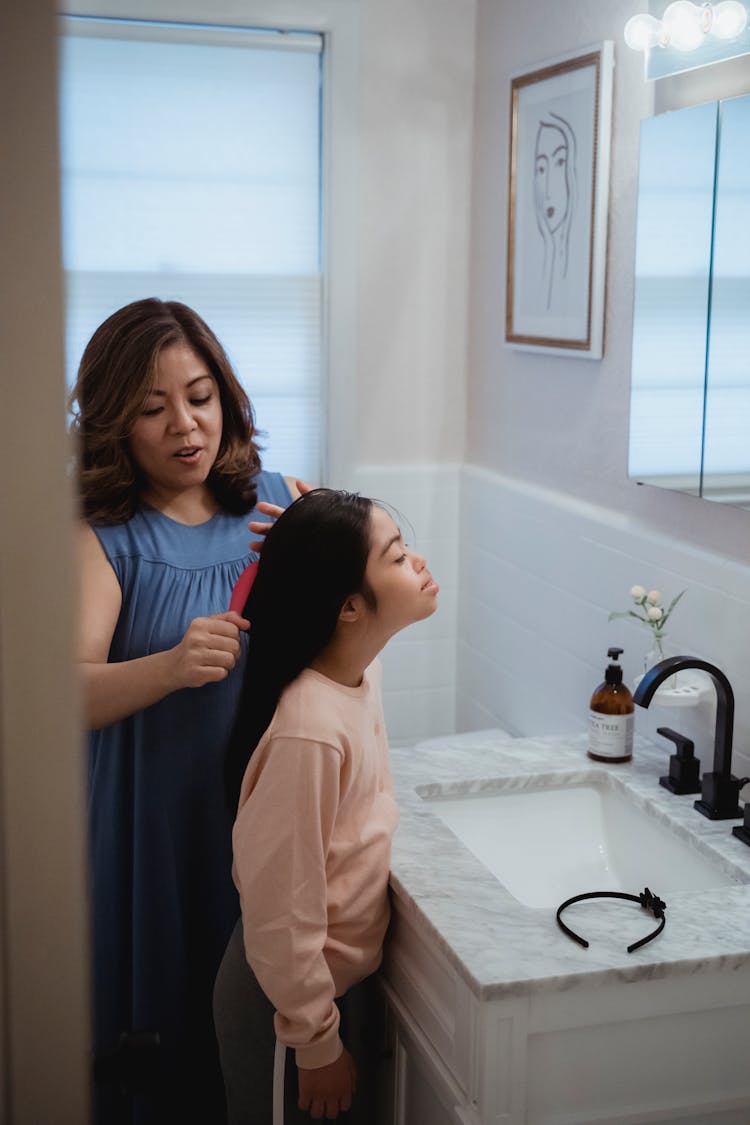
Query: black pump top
x: 613, y: 673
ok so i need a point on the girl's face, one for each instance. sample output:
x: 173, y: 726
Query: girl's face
x: 551, y: 175
x: 176, y: 439
x: 404, y: 589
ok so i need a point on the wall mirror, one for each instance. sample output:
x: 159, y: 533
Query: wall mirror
x: 690, y: 374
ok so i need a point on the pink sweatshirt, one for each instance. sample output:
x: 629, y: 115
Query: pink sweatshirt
x: 312, y: 845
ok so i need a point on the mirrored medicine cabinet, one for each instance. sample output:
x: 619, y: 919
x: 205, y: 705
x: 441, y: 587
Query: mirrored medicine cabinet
x: 690, y: 375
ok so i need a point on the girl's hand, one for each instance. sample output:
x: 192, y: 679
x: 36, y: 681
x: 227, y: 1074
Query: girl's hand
x: 274, y: 511
x: 209, y: 650
x: 327, y: 1091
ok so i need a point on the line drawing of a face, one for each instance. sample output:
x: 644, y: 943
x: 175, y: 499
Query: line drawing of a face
x: 551, y: 175
x: 554, y: 194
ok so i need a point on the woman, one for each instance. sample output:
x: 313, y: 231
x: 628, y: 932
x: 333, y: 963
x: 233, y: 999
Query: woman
x: 555, y: 199
x: 169, y: 475
x: 308, y: 772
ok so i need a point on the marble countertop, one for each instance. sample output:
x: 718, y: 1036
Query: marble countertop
x: 503, y: 948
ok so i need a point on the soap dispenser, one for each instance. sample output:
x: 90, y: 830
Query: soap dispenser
x: 611, y: 716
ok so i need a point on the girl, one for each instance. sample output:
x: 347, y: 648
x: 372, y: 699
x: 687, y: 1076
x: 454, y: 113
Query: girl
x: 307, y: 770
x: 169, y: 473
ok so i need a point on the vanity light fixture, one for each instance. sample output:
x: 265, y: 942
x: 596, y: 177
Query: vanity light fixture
x: 686, y: 26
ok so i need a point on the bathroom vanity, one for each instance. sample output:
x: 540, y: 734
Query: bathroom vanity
x: 495, y: 1015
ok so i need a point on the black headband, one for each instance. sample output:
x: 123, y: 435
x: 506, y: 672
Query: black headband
x: 647, y: 900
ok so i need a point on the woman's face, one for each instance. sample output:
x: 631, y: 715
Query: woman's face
x: 404, y: 589
x: 551, y: 176
x: 176, y: 439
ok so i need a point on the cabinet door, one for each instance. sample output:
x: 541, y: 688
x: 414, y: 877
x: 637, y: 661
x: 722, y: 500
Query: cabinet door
x: 421, y: 1091
x: 417, y: 1098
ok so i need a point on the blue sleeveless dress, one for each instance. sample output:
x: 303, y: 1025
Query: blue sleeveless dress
x: 162, y: 898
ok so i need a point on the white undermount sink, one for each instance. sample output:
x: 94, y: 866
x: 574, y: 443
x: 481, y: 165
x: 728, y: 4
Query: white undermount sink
x: 547, y: 842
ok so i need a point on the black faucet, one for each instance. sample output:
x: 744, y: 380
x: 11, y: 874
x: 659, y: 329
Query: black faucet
x: 720, y: 790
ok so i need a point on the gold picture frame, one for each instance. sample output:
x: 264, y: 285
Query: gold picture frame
x: 560, y: 122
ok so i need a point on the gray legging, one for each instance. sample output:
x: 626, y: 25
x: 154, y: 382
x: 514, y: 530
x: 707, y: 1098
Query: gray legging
x: 243, y: 1016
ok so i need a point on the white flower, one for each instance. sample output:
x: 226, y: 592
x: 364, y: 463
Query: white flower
x: 649, y: 611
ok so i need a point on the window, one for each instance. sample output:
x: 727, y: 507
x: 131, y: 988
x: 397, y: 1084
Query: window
x: 191, y: 170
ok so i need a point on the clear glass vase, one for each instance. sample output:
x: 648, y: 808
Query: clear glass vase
x: 656, y: 651
x: 660, y: 650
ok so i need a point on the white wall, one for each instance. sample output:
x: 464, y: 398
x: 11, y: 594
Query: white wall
x: 553, y: 534
x: 43, y: 931
x: 416, y: 90
x: 415, y: 138
x: 419, y: 665
x: 563, y: 422
x: 559, y: 424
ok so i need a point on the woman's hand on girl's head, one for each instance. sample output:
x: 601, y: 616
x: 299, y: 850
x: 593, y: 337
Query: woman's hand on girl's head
x: 327, y: 1091
x: 209, y: 649
x: 258, y: 527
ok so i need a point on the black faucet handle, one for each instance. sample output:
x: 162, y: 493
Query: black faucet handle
x: 684, y: 767
x: 742, y: 832
x: 685, y: 746
x: 720, y: 799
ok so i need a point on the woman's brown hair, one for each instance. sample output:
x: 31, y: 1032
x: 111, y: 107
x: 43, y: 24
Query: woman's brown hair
x: 115, y: 377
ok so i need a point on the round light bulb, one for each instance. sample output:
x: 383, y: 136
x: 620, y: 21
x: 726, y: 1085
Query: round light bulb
x: 642, y: 31
x: 683, y: 25
x: 729, y: 19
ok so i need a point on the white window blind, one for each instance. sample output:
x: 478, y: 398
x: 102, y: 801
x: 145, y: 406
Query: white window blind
x: 191, y: 171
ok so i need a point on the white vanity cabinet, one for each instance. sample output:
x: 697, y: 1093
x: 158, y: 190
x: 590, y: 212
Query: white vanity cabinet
x: 422, y: 1090
x: 429, y: 1015
x: 670, y: 1050
x: 497, y: 1018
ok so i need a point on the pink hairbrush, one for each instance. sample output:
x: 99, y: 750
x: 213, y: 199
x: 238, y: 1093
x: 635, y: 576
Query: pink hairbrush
x: 242, y: 587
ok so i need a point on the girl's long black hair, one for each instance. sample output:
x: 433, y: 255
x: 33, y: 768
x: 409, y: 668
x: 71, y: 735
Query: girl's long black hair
x: 313, y: 559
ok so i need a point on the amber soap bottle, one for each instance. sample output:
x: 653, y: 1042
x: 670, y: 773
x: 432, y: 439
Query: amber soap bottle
x: 611, y: 716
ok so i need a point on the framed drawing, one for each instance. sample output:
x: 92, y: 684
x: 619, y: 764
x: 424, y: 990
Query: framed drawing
x: 560, y: 120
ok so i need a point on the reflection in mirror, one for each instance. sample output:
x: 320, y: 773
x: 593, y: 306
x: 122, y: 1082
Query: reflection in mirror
x: 690, y: 380
x: 672, y: 280
x: 726, y: 455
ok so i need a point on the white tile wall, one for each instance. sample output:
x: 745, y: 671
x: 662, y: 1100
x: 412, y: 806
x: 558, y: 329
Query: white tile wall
x: 539, y: 573
x: 419, y: 665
